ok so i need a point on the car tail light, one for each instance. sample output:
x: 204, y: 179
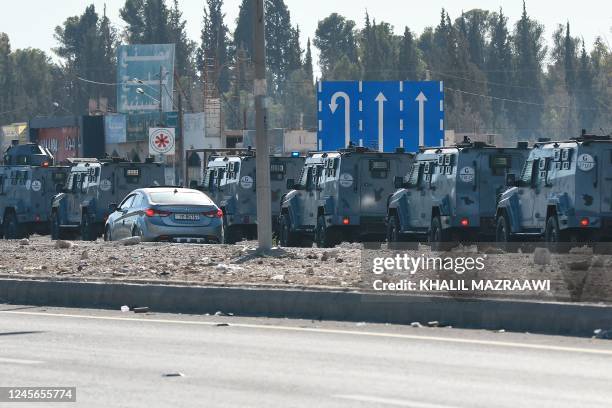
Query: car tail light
x: 151, y: 212
x: 465, y: 222
x: 584, y: 222
x: 214, y: 213
x: 346, y: 221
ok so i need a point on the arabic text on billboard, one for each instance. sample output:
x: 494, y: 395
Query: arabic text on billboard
x: 138, y: 77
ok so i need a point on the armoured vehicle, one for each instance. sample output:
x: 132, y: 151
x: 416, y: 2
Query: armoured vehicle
x: 28, y: 181
x: 564, y: 193
x: 451, y: 193
x: 340, y: 196
x: 230, y: 182
x: 92, y: 188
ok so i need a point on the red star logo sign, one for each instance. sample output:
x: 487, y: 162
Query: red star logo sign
x: 161, y: 141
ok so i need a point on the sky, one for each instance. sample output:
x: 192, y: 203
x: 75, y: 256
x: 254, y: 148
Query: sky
x: 30, y: 23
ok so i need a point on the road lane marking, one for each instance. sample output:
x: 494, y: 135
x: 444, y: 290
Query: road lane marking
x: 19, y: 361
x: 392, y: 401
x: 455, y: 340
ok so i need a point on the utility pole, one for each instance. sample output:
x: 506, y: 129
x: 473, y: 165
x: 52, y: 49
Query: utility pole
x: 161, y: 83
x: 262, y: 151
x: 179, y: 152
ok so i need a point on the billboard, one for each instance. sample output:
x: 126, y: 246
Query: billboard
x: 115, y: 128
x: 14, y: 131
x: 138, y: 67
x: 61, y: 141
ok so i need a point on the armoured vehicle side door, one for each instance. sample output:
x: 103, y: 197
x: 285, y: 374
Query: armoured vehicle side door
x: 73, y: 205
x: 309, y: 198
x: 604, y: 170
x: 527, y: 193
x: 541, y: 191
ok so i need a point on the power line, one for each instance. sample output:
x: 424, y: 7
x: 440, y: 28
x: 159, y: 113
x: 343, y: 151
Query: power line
x: 517, y: 101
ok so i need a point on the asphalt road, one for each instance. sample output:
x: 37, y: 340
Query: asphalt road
x: 119, y: 360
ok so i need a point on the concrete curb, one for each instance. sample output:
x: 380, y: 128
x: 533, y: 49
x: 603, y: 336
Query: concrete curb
x: 511, y: 315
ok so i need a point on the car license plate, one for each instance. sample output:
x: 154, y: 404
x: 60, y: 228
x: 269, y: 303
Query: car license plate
x: 187, y: 217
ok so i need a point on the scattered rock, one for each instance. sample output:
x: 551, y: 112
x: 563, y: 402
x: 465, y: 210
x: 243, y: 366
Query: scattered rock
x: 125, y: 308
x: 339, y: 260
x: 61, y: 244
x: 541, y: 256
x: 309, y: 270
x: 433, y: 323
x: 142, y: 309
x: 598, y: 262
x: 278, y: 277
x: 24, y: 241
x: 84, y: 255
x: 603, y: 334
x: 176, y: 374
x: 501, y: 331
x: 579, y: 265
x: 360, y: 324
x: 416, y: 324
x: 129, y: 241
x: 222, y: 324
x: 225, y: 267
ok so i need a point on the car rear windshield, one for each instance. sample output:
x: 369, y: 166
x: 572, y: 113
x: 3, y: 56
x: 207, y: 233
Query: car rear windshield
x: 180, y: 197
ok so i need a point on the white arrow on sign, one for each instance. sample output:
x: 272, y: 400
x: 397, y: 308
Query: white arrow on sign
x: 347, y: 113
x: 421, y: 99
x: 381, y: 119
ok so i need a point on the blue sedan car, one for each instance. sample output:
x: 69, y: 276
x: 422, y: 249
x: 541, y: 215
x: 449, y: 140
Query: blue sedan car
x: 166, y: 214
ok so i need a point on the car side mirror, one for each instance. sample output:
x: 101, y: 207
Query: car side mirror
x: 290, y: 184
x: 511, y: 180
x: 398, y: 182
x: 112, y: 207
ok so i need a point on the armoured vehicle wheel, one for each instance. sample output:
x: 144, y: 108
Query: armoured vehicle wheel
x: 556, y: 239
x: 55, y: 226
x: 287, y: 238
x: 11, y: 227
x: 438, y: 237
x: 107, y: 234
x: 87, y: 229
x: 323, y: 236
x: 393, y: 229
x: 230, y: 233
x: 502, y: 230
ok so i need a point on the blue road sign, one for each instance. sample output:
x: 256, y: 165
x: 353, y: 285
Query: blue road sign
x: 381, y: 115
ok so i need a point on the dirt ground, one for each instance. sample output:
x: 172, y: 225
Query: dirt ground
x: 580, y: 276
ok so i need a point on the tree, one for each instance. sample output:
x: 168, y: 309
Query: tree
x: 279, y: 35
x: 243, y: 34
x: 499, y: 67
x: 379, y: 47
x: 87, y: 49
x: 530, y: 51
x: 308, y: 62
x: 184, y: 46
x: 6, y: 77
x: 213, y: 50
x: 335, y: 39
x: 408, y: 62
